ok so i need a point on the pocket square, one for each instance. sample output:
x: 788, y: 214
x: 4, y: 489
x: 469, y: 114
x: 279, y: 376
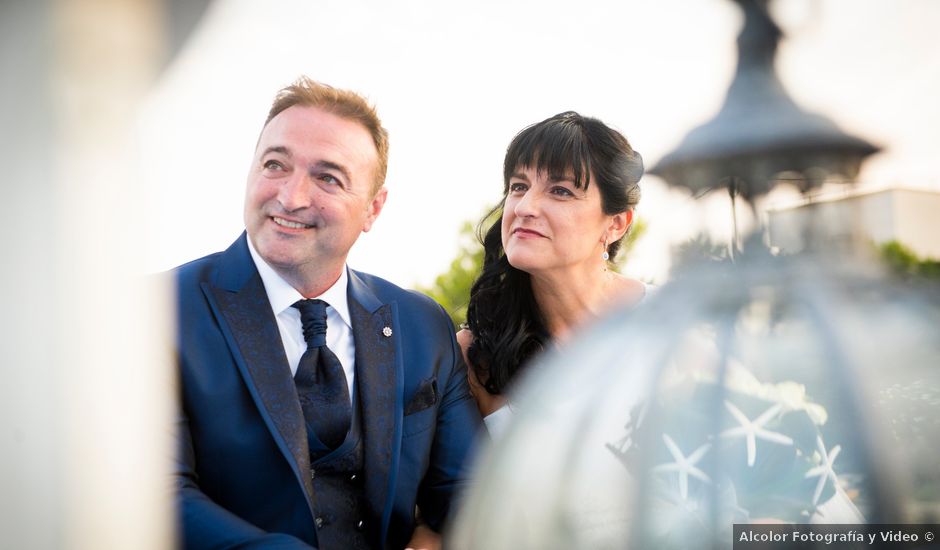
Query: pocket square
x: 424, y: 397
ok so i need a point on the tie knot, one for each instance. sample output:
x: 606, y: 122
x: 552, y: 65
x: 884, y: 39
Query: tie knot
x: 313, y: 320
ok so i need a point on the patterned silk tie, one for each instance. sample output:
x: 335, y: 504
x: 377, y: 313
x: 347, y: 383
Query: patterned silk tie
x: 320, y: 380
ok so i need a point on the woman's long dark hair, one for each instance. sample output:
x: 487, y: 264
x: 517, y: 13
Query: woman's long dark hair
x: 505, y: 320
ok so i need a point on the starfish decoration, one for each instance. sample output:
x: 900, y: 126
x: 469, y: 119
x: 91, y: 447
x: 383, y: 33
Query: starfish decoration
x: 684, y: 465
x: 752, y: 430
x: 824, y: 471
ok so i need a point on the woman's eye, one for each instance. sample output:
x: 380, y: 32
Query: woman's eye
x: 562, y: 191
x: 517, y: 188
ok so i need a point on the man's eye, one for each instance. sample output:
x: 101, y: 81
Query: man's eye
x: 273, y: 165
x: 327, y: 178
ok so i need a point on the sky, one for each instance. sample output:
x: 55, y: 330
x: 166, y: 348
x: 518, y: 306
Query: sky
x: 453, y: 83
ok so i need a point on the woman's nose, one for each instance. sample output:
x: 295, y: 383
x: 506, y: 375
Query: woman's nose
x: 527, y: 205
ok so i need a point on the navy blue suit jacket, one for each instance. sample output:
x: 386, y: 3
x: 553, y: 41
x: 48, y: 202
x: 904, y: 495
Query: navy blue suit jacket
x: 243, y: 471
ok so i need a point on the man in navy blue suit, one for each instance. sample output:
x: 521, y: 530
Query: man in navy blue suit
x: 257, y: 468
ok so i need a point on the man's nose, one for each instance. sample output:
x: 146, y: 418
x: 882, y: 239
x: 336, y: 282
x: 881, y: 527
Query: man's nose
x: 297, y: 192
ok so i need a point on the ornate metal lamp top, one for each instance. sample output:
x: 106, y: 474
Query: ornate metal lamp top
x: 760, y: 131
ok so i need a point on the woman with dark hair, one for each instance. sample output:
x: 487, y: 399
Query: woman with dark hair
x: 570, y: 187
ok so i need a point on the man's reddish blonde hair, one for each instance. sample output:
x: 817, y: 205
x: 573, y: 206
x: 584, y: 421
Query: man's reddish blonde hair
x: 347, y: 104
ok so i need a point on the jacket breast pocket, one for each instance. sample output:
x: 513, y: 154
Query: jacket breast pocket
x: 420, y: 410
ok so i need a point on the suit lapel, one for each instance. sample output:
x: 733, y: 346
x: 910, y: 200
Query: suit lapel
x: 244, y: 313
x: 380, y: 383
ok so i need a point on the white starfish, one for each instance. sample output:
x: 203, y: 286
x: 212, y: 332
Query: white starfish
x: 824, y: 471
x: 685, y: 466
x: 752, y: 430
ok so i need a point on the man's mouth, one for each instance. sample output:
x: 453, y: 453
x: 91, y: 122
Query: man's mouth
x: 289, y: 224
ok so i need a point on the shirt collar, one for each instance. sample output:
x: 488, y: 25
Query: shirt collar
x: 282, y: 295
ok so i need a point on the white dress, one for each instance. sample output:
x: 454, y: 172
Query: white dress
x: 497, y: 421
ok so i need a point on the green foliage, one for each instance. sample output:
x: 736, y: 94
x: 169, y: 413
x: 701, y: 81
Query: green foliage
x: 452, y: 288
x: 902, y: 261
x: 695, y: 251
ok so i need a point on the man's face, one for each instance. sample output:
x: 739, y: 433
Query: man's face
x: 310, y: 191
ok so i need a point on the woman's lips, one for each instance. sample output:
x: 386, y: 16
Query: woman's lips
x: 522, y: 232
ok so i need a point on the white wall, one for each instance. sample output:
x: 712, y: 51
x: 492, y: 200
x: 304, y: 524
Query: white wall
x: 911, y: 216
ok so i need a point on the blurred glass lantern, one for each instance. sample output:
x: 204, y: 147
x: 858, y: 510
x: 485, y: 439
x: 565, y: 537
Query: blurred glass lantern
x: 800, y: 389
x: 760, y: 132
x: 773, y: 391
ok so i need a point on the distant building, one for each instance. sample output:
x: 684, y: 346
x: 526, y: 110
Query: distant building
x: 910, y: 216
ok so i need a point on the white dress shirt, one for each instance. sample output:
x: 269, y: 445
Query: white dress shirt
x: 339, y: 336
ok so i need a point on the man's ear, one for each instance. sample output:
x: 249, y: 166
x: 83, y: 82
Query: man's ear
x: 375, y: 208
x: 619, y: 224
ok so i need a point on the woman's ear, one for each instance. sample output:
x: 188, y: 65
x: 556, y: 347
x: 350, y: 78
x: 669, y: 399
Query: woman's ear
x: 619, y: 224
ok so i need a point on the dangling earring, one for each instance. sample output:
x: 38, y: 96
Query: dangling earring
x: 605, y: 256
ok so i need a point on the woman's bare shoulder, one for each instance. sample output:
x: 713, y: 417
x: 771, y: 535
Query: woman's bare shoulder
x: 628, y: 291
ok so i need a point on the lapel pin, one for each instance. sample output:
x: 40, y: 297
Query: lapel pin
x: 387, y: 331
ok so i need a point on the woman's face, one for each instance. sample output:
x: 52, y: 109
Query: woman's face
x: 549, y: 224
